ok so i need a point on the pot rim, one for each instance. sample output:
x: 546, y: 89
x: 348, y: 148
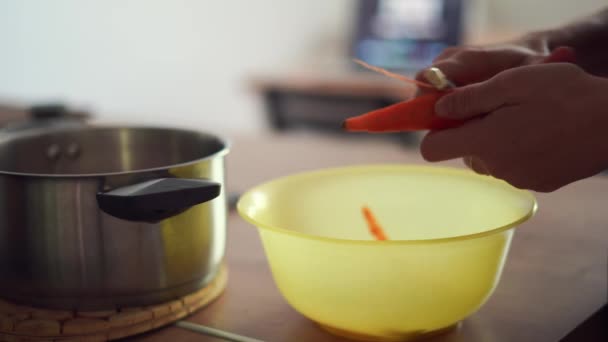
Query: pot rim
x: 226, y: 145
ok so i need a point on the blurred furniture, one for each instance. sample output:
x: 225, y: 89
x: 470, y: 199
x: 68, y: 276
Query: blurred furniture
x: 403, y: 36
x: 554, y: 279
x: 16, y: 116
x: 406, y: 35
x: 322, y: 101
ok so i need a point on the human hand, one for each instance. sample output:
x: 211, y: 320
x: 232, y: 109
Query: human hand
x: 538, y: 127
x: 465, y: 64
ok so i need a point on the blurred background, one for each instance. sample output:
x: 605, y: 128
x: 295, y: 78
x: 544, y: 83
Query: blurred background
x: 236, y: 65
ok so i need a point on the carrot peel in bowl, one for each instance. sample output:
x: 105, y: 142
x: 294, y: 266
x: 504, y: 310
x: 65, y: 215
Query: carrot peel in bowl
x: 374, y: 227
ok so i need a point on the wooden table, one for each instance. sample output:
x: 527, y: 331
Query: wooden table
x: 555, y: 276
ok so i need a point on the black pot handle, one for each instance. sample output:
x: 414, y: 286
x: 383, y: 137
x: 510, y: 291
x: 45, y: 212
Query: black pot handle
x: 158, y: 199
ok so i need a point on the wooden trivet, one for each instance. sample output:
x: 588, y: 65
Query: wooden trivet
x: 21, y: 323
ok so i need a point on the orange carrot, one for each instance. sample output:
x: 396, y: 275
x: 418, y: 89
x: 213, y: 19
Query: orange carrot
x: 373, y: 225
x: 412, y: 115
x: 419, y: 113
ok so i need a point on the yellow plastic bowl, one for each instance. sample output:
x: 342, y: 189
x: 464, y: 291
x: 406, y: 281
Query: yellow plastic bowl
x: 449, y: 232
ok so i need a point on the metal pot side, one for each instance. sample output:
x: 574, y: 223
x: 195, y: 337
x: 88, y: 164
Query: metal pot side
x: 59, y: 250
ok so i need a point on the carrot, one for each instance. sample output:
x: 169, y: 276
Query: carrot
x: 412, y: 115
x: 374, y: 227
x: 419, y: 113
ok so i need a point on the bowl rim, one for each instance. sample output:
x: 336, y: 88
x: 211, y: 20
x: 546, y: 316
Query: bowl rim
x: 435, y: 169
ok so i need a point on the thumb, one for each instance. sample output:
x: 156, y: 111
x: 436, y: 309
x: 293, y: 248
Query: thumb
x: 471, y: 100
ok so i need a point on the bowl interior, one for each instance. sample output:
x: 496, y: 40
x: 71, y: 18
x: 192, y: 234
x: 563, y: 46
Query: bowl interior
x: 410, y: 202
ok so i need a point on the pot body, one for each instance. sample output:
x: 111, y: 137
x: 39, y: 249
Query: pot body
x: 58, y: 249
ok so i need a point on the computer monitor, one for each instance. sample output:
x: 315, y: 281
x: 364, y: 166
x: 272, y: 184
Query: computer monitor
x: 405, y: 35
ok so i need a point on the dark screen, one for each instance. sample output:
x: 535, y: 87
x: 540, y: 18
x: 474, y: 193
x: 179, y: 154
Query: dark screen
x: 405, y: 35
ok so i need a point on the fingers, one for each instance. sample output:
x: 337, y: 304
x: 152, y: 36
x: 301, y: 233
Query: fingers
x: 466, y: 65
x: 510, y: 87
x: 465, y: 140
x: 455, y: 70
x: 503, y: 86
x: 437, y: 148
x: 473, y: 100
x: 470, y: 65
x: 476, y: 164
x: 447, y: 53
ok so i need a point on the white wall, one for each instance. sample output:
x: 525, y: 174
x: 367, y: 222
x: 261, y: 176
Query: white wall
x: 184, y: 62
x: 170, y: 62
x: 524, y: 15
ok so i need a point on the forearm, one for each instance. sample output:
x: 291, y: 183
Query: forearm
x: 589, y: 38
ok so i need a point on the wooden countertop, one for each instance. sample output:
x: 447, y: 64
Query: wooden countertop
x: 555, y: 276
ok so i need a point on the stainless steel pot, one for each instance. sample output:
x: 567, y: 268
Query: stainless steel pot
x: 103, y: 217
